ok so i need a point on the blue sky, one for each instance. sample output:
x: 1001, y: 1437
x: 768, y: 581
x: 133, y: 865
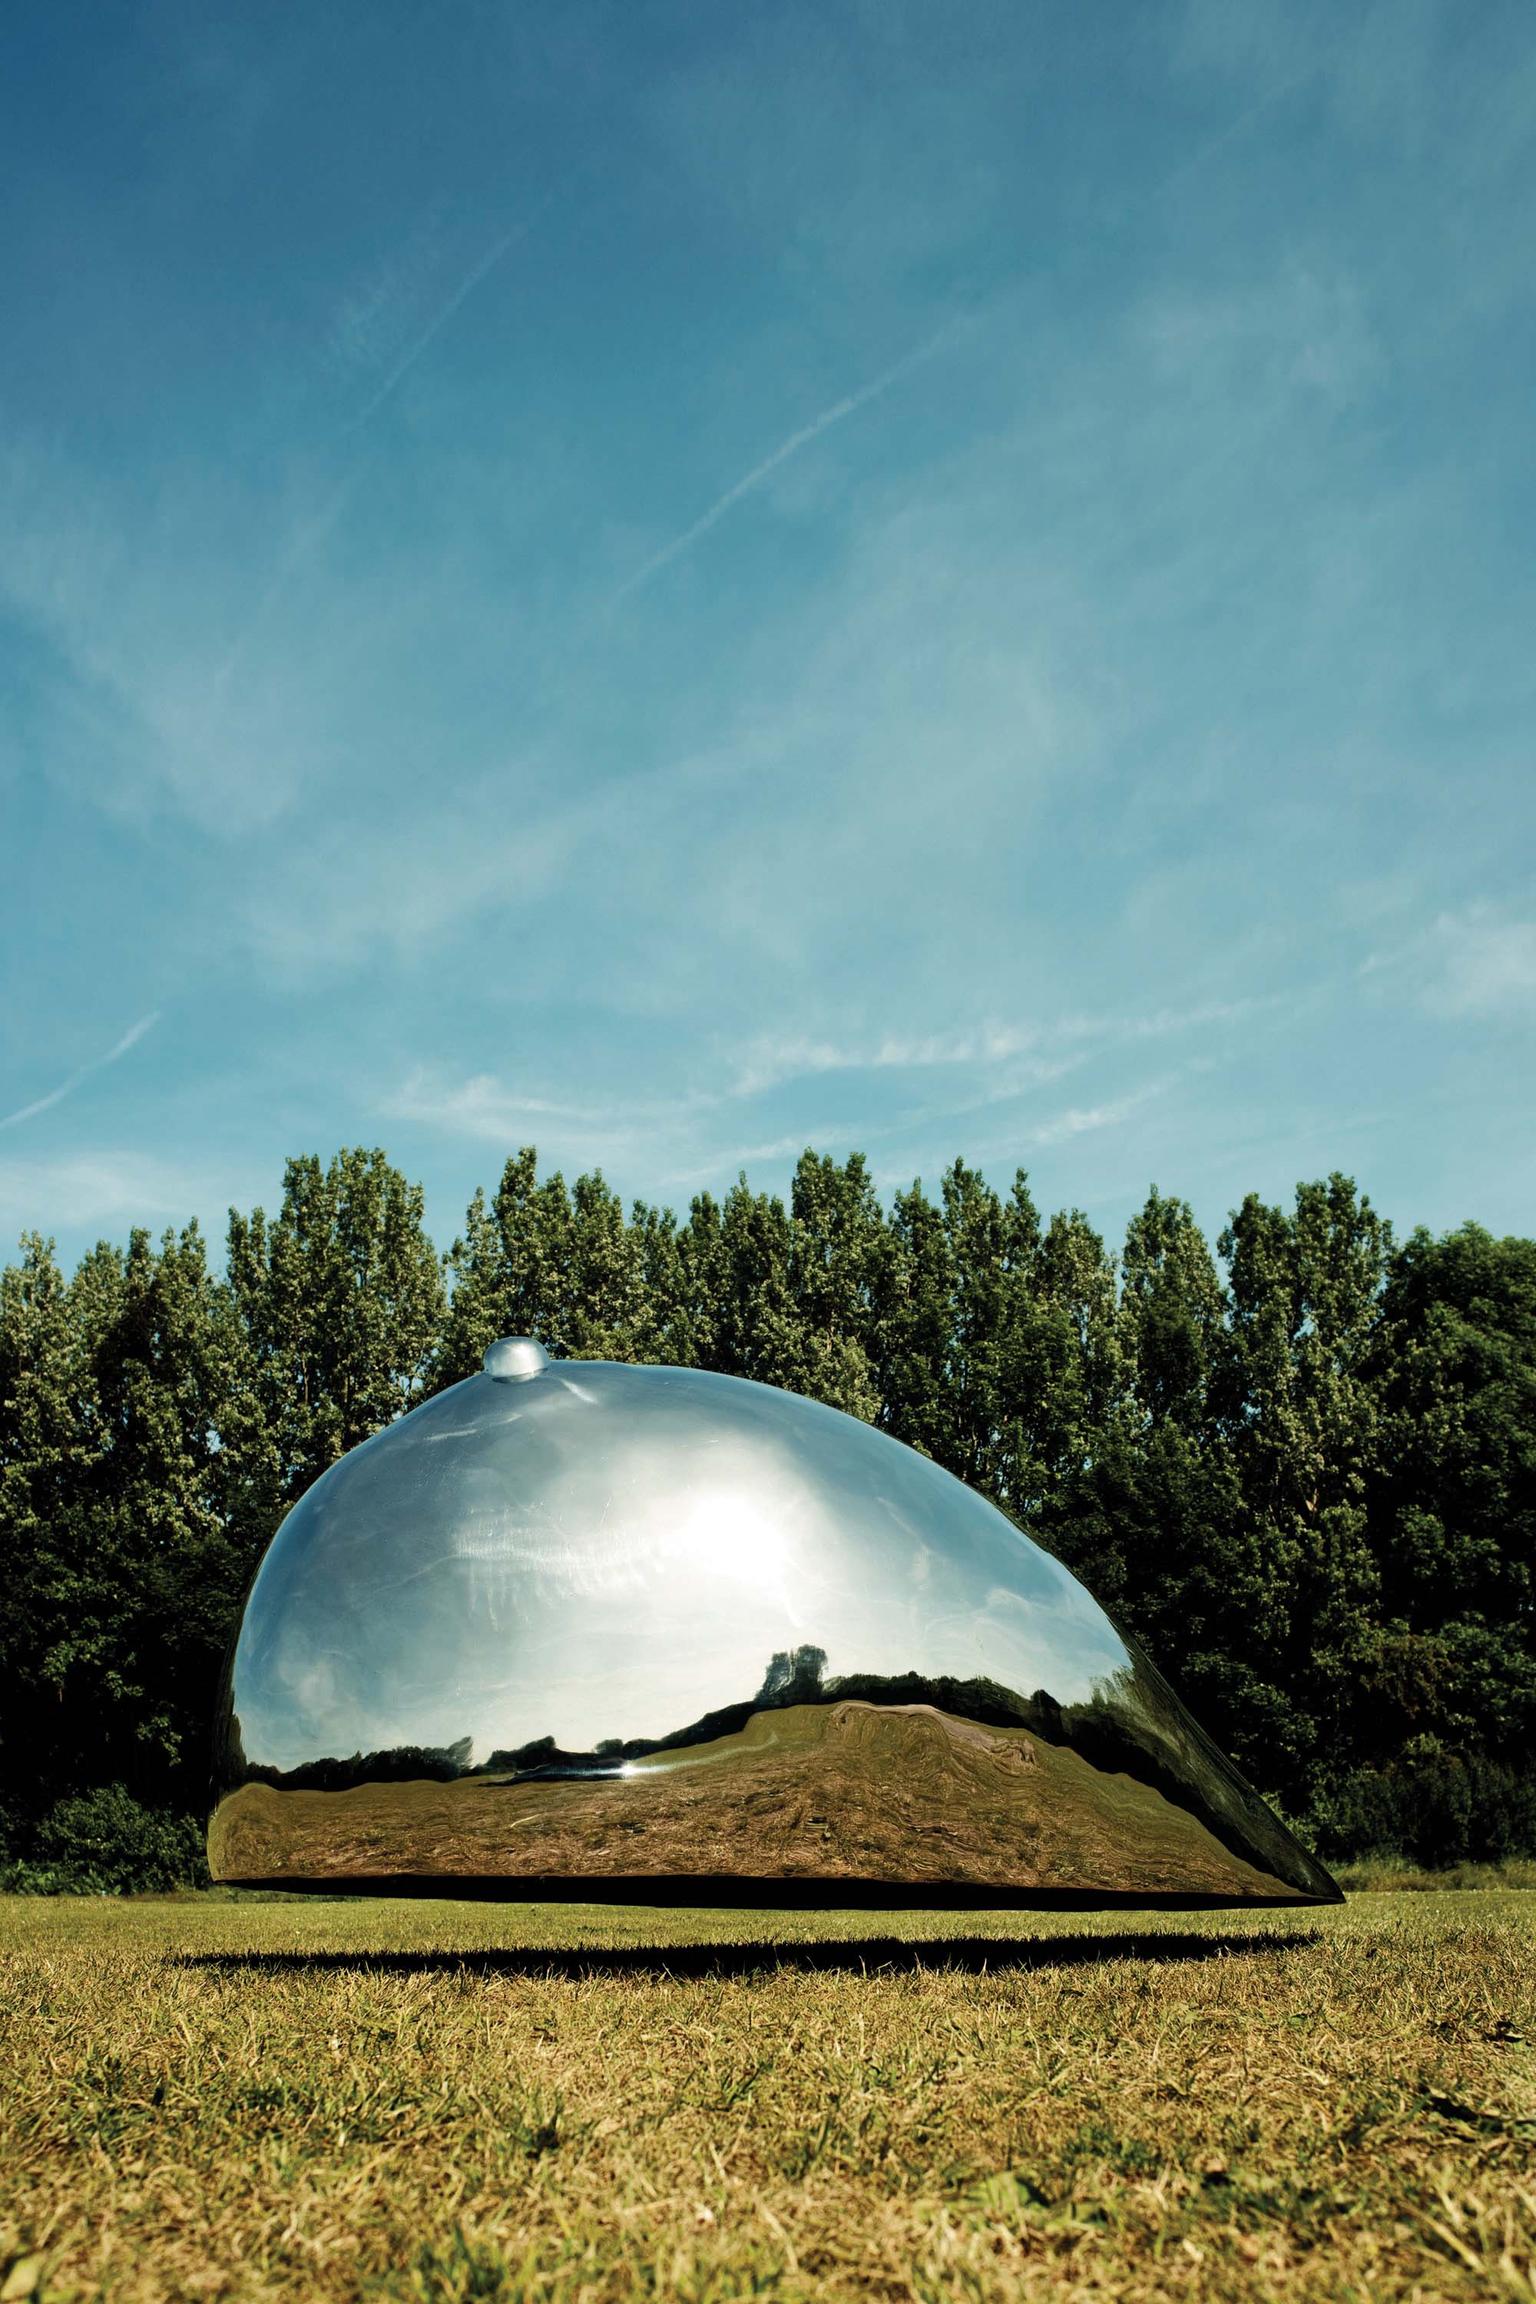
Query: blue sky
x: 673, y: 582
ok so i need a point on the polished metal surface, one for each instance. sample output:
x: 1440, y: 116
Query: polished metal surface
x: 589, y: 1630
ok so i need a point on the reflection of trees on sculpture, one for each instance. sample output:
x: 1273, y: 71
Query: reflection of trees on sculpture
x: 794, y: 1676
x: 398, y: 1764
x: 1131, y: 1726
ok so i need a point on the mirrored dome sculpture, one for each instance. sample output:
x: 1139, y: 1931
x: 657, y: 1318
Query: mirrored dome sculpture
x: 593, y: 1631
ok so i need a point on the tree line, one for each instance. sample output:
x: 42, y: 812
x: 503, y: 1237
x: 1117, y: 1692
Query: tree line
x: 1301, y: 1471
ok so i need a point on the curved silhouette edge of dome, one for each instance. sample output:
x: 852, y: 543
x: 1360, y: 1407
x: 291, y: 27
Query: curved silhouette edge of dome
x: 581, y: 1601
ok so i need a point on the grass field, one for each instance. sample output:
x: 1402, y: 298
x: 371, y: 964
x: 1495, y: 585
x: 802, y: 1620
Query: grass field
x: 210, y: 2098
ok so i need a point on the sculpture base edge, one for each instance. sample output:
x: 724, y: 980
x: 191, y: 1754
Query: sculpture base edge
x: 733, y: 1892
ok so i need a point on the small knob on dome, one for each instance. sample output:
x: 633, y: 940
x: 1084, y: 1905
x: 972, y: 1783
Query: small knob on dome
x: 513, y: 1359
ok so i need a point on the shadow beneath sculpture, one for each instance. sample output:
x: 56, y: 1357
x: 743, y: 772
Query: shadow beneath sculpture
x: 866, y: 1955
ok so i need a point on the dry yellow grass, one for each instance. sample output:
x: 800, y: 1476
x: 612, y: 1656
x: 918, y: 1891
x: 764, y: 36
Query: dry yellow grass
x: 210, y: 2098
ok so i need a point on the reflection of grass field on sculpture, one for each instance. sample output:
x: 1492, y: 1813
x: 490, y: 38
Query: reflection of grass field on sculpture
x: 843, y: 1791
x: 443, y: 2102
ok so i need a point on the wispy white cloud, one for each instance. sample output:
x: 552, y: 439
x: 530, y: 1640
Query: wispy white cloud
x: 485, y: 1107
x: 380, y: 309
x: 401, y: 887
x: 838, y: 413
x: 1303, y: 331
x: 309, y: 534
x: 727, y: 1162
x: 774, y: 1060
x: 114, y: 1054
x: 1160, y: 1022
x: 1486, y: 964
x: 135, y: 617
x: 1084, y: 1120
x: 505, y: 844
x: 696, y: 1138
x: 203, y: 629
x: 81, y: 1189
x: 1476, y: 962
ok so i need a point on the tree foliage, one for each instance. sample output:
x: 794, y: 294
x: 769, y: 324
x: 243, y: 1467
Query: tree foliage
x: 1301, y: 1470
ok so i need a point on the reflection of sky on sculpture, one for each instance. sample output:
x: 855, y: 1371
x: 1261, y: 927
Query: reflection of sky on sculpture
x: 615, y: 1552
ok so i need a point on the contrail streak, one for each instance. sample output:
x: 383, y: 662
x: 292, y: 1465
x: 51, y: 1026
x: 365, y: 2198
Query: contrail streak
x: 440, y: 319
x: 120, y: 1048
x: 314, y: 531
x: 838, y: 413
x: 1233, y: 129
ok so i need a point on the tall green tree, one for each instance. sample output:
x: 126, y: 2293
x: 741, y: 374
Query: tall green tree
x: 49, y: 1434
x: 669, y: 1324
x: 562, y: 1264
x: 838, y: 1281
x: 1175, y: 1314
x: 1066, y: 1369
x: 974, y: 1236
x: 132, y: 1513
x: 914, y: 1334
x: 604, y: 1309
x: 1168, y: 1550
x: 341, y: 1297
x: 1300, y: 1419
x: 755, y: 1307
x: 1453, y: 1508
